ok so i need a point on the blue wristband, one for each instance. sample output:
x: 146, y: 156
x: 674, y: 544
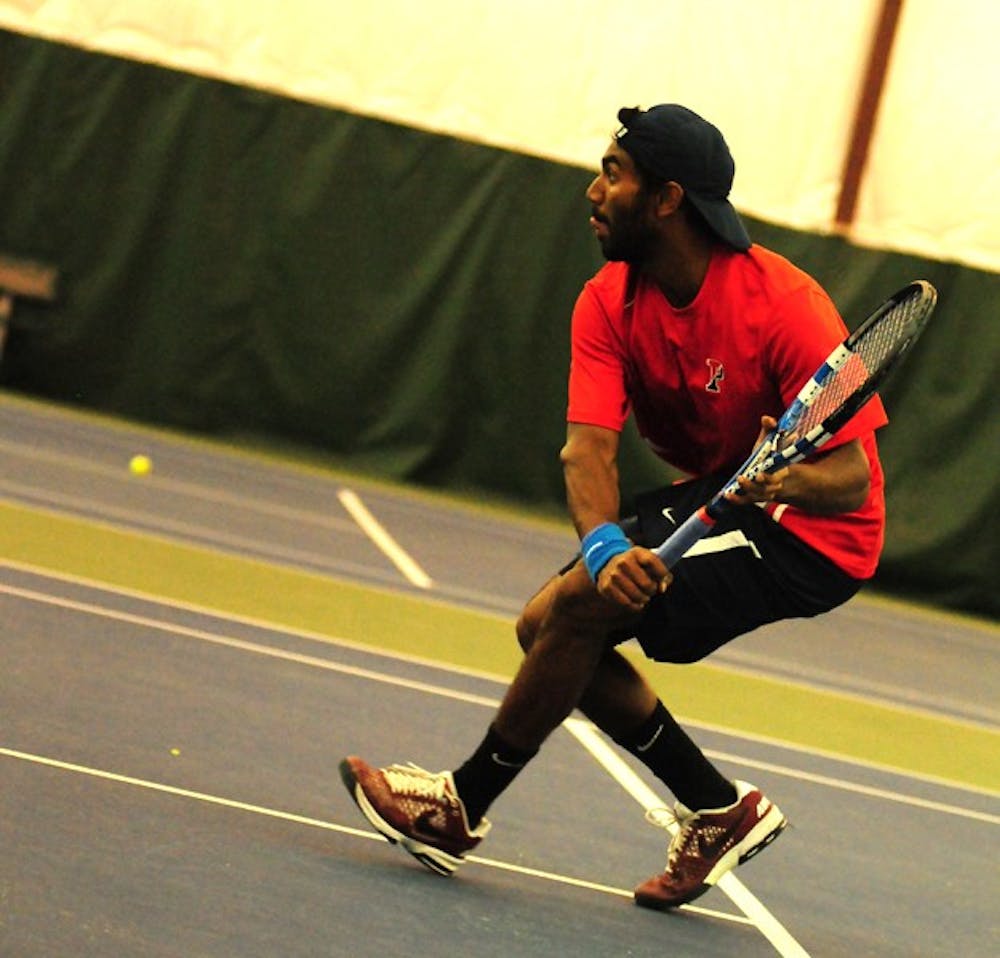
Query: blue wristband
x: 602, y: 544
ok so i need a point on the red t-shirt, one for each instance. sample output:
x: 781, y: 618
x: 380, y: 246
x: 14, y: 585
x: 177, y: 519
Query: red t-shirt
x: 699, y: 378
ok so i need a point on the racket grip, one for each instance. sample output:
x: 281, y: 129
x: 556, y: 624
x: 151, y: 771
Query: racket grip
x: 684, y: 536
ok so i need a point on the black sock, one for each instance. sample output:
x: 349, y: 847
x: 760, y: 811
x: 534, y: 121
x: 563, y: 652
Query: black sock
x: 486, y: 773
x: 673, y: 758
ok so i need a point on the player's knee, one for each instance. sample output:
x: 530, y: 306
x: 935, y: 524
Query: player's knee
x: 537, y: 607
x: 526, y: 629
x: 576, y: 605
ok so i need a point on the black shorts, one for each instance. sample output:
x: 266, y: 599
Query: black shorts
x: 748, y: 571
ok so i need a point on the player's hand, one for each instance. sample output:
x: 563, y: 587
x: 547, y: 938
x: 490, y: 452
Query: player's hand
x: 767, y: 486
x: 632, y: 578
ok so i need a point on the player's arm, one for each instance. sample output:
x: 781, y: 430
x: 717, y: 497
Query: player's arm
x: 629, y: 577
x: 590, y: 469
x: 831, y: 482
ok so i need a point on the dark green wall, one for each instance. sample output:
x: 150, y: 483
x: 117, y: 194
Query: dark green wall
x: 236, y: 261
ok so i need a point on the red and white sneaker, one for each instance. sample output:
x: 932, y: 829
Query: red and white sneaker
x: 418, y: 809
x: 708, y: 843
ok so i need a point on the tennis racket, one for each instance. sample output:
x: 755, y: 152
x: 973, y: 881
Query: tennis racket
x: 838, y: 389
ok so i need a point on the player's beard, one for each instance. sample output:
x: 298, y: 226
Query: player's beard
x: 629, y: 235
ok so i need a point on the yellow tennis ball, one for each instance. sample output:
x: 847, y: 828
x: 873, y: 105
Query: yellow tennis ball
x: 140, y: 465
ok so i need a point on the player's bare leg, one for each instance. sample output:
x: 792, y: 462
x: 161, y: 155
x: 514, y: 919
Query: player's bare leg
x: 564, y: 656
x: 621, y: 702
x: 618, y: 698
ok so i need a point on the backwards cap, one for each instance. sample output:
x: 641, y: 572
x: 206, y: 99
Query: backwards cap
x: 673, y: 143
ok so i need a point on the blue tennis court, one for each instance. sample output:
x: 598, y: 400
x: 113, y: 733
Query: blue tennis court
x: 168, y: 780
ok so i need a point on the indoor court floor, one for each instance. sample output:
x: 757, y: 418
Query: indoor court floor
x: 187, y: 656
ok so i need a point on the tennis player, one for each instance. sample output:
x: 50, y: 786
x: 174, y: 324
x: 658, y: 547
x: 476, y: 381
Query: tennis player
x: 703, y: 338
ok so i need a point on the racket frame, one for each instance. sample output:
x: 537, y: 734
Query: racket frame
x: 770, y: 455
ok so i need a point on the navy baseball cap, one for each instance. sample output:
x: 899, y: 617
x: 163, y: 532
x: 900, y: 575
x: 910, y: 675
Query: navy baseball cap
x: 672, y: 142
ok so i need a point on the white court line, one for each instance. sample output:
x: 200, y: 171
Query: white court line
x: 729, y: 884
x: 857, y: 789
x: 193, y: 490
x: 378, y: 534
x: 189, y: 532
x: 328, y: 826
x: 242, y: 645
x: 441, y: 691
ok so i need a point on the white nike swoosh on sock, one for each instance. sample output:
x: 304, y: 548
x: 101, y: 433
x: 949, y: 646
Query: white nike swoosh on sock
x: 499, y: 761
x: 649, y: 744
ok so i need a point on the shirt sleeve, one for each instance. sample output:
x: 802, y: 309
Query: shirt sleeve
x: 805, y: 331
x: 597, y: 394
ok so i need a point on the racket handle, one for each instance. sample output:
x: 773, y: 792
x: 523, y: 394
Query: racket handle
x: 684, y: 536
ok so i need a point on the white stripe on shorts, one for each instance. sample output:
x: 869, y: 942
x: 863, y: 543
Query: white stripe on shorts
x: 722, y: 543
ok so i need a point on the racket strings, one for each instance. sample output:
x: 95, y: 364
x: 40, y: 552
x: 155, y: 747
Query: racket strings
x: 881, y: 341
x: 878, y: 345
x: 837, y: 389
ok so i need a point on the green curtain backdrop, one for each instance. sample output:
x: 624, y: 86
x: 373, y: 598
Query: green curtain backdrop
x: 236, y: 261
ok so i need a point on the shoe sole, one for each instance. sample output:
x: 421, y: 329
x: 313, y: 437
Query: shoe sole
x: 438, y: 861
x: 756, y: 840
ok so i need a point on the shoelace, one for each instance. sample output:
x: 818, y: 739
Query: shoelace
x: 679, y: 827
x: 663, y: 817
x: 411, y: 779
